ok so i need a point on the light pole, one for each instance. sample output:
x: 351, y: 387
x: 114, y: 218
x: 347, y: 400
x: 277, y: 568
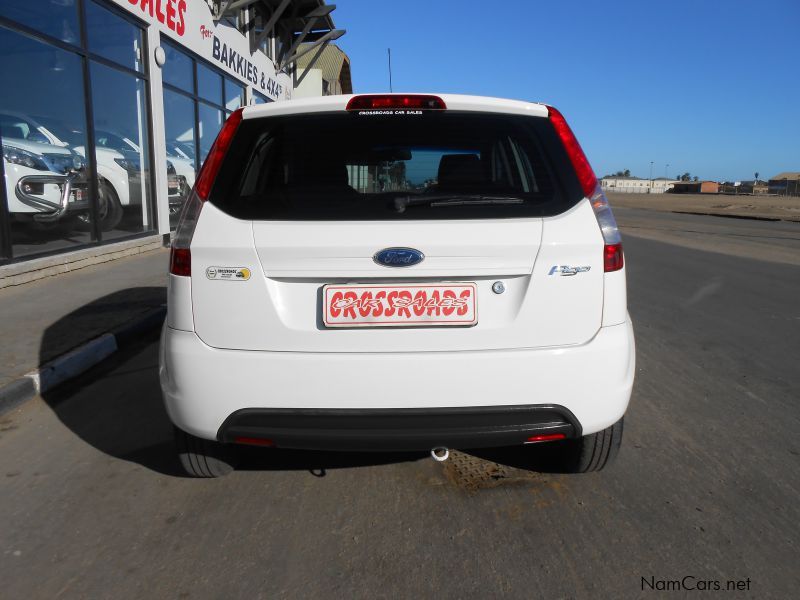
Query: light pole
x: 665, y: 171
x: 389, y: 52
x: 651, y: 176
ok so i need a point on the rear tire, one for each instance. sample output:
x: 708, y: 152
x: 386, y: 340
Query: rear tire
x: 204, y: 458
x: 594, y: 451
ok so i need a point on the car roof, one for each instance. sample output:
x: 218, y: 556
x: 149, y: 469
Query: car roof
x: 337, y: 103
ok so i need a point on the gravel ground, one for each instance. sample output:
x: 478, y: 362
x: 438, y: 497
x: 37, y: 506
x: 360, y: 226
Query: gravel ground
x: 754, y: 207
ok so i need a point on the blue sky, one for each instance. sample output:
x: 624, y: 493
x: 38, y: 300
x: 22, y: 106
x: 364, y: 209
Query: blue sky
x: 711, y: 87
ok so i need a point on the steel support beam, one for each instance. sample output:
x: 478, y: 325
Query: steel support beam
x: 224, y: 7
x: 328, y: 37
x: 313, y: 17
x: 271, y: 23
x: 314, y: 59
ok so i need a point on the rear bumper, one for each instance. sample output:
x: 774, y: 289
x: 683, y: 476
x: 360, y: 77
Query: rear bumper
x: 208, y: 390
x: 397, y: 429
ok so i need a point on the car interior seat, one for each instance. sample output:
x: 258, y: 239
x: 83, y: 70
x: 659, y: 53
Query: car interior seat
x: 457, y: 171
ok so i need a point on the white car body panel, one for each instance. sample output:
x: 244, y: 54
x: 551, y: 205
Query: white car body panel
x: 203, y: 385
x: 339, y: 102
x: 277, y: 309
x: 552, y: 337
x: 615, y: 298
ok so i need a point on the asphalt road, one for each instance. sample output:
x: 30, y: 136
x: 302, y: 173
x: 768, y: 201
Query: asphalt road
x: 706, y: 485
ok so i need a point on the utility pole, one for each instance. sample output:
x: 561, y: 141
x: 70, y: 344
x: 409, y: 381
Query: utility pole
x: 651, y: 176
x: 389, y: 51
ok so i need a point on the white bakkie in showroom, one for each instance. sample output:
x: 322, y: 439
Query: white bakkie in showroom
x: 42, y: 154
x: 397, y: 272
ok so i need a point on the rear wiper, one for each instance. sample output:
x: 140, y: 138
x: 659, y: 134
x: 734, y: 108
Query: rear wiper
x: 403, y: 202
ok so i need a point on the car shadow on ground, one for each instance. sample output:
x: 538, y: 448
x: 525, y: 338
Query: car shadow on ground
x: 116, y: 407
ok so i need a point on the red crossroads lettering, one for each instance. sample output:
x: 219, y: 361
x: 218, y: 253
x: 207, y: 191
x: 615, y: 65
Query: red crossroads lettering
x: 365, y: 304
x: 462, y: 307
x: 333, y: 307
x: 433, y: 305
x: 379, y: 297
x: 449, y: 307
x: 349, y: 312
x: 419, y: 303
x: 404, y: 301
x: 409, y: 304
x: 391, y: 299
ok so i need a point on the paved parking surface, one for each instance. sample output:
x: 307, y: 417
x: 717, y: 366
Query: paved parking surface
x: 706, y: 484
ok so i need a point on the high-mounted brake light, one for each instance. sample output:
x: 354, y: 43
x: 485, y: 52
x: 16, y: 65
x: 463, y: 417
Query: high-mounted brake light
x: 180, y: 257
x: 396, y: 101
x: 210, y: 168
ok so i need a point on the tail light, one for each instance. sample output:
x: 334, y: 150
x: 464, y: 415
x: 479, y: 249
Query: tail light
x: 396, y: 101
x: 180, y: 259
x: 612, y: 252
x: 210, y: 168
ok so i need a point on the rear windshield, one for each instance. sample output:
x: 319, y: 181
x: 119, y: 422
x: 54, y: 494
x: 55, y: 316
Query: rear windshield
x: 349, y: 166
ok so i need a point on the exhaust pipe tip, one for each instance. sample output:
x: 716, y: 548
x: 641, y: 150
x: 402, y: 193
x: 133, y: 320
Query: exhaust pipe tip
x: 440, y: 454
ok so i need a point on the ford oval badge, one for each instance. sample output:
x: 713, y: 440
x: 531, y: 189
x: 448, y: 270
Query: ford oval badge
x: 398, y: 257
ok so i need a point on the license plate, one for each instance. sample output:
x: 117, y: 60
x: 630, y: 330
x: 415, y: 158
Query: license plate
x: 78, y: 195
x: 400, y: 305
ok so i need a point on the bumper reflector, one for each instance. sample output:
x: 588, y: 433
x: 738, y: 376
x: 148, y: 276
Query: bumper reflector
x: 254, y: 441
x: 545, y: 437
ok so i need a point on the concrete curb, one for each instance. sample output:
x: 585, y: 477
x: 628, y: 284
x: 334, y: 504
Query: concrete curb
x: 77, y: 361
x: 731, y: 216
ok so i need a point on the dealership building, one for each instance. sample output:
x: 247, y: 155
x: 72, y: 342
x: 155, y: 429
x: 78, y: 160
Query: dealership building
x: 108, y: 108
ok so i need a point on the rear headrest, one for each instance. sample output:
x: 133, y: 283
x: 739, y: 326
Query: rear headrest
x: 460, y: 169
x: 318, y: 173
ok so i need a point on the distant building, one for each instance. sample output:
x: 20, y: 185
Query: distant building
x: 636, y: 185
x: 785, y: 184
x: 661, y: 185
x: 695, y: 187
x: 326, y: 74
x: 754, y: 188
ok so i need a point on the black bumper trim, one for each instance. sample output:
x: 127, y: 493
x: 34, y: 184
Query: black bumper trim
x: 392, y: 429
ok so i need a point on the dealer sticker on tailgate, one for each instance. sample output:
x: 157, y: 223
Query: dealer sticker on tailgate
x: 399, y: 305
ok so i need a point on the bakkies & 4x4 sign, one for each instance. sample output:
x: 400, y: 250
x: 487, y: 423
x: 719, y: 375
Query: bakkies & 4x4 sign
x: 190, y: 24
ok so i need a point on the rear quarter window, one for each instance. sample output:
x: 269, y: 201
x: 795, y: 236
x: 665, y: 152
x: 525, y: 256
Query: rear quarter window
x: 434, y: 165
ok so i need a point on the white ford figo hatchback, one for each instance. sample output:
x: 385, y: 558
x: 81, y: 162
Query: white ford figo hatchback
x: 397, y: 272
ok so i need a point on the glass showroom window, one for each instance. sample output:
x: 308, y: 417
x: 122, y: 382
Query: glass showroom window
x: 55, y: 18
x: 259, y: 98
x: 44, y: 169
x: 122, y: 140
x: 197, y: 100
x: 234, y: 95
x: 47, y: 203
